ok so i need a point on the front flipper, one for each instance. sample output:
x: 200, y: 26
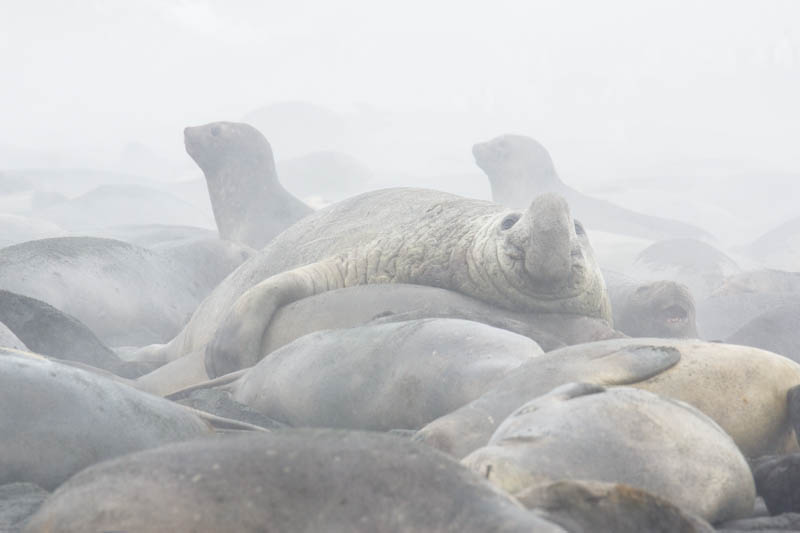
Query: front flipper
x: 238, y: 340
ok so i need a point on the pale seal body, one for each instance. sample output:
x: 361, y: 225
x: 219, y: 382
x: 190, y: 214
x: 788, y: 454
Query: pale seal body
x: 519, y: 169
x: 290, y: 480
x: 620, y: 435
x: 742, y: 389
x: 250, y: 205
x: 57, y: 420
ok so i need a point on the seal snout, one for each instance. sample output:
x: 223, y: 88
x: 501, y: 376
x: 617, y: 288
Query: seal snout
x: 553, y: 250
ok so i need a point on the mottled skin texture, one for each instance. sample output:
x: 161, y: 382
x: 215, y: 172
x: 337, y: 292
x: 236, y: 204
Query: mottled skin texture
x: 519, y: 169
x: 620, y: 435
x: 288, y: 480
x: 651, y: 309
x: 536, y: 261
x: 250, y: 205
x: 57, y: 420
x: 742, y: 389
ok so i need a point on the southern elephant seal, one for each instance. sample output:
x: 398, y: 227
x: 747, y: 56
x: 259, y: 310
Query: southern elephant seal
x: 288, y: 480
x: 651, y: 309
x: 9, y: 340
x: 536, y: 261
x: 742, y: 389
x: 137, y: 295
x: 379, y: 377
x: 519, y: 169
x: 775, y: 330
x: 250, y: 205
x: 57, y: 420
x: 620, y: 435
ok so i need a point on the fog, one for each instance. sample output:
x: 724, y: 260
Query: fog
x: 684, y: 110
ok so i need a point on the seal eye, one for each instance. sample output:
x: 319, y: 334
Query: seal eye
x: 509, y: 222
x: 215, y: 130
x: 579, y: 228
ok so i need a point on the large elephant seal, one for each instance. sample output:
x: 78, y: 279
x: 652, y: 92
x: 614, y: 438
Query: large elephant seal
x: 537, y: 261
x: 57, y: 420
x: 289, y: 480
x: 250, y: 205
x: 533, y: 261
x: 775, y: 330
x: 742, y: 389
x: 379, y: 377
x: 519, y: 169
x: 620, y: 435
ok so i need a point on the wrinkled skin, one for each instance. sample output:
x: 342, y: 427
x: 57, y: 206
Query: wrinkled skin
x: 539, y: 260
x: 250, y: 205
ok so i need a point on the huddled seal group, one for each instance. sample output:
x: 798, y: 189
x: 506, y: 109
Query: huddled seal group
x: 402, y: 360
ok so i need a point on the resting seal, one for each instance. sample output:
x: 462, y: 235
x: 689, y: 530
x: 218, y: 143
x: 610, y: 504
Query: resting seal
x: 620, y: 435
x: 289, y: 480
x: 539, y: 260
x: 519, y: 168
x: 250, y: 205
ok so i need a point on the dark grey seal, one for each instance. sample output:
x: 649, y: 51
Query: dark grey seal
x: 288, y: 480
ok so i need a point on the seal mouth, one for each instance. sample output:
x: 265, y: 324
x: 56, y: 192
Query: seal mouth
x: 675, y: 314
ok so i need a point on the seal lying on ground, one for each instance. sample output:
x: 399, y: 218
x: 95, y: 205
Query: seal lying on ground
x: 47, y: 331
x: 776, y: 330
x: 519, y: 169
x: 742, y: 389
x: 380, y: 377
x: 289, y: 480
x: 536, y: 261
x: 57, y: 420
x: 620, y: 435
x: 137, y: 296
x: 250, y: 205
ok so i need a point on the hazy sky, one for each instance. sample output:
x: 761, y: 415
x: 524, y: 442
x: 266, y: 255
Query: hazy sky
x: 608, y: 86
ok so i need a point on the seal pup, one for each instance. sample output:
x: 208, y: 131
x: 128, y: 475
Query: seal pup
x: 249, y: 203
x: 520, y: 168
x: 288, y: 480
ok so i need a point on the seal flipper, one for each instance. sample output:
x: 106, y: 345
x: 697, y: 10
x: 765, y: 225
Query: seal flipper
x: 629, y: 365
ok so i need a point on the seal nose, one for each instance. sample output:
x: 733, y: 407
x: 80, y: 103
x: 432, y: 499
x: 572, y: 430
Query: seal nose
x: 551, y: 254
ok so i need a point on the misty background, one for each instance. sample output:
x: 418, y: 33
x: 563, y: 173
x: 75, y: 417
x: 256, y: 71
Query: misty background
x: 683, y: 109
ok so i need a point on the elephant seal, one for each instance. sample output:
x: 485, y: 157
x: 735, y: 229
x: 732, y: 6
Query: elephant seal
x: 620, y: 435
x: 536, y: 261
x: 47, y: 331
x: 58, y: 419
x: 742, y: 389
x: 289, y: 480
x: 775, y: 330
x: 778, y: 248
x: 379, y: 377
x: 519, y: 168
x: 18, y: 501
x: 138, y: 296
x: 250, y: 205
x: 651, y: 309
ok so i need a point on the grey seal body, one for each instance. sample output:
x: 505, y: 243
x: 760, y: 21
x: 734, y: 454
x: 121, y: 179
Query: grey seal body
x: 250, y: 205
x: 519, y: 169
x: 379, y: 377
x: 742, y: 389
x: 620, y: 435
x: 57, y: 420
x: 290, y: 480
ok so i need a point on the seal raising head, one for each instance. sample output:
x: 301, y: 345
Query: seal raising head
x: 250, y: 205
